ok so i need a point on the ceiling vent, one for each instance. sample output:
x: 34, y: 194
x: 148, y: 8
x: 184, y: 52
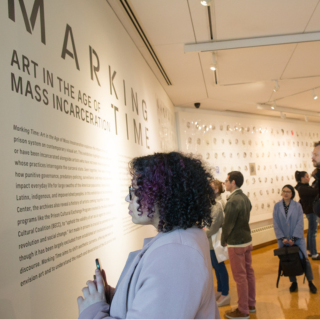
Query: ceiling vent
x: 144, y: 38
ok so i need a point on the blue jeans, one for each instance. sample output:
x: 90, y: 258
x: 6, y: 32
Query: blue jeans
x: 312, y: 233
x: 221, y: 274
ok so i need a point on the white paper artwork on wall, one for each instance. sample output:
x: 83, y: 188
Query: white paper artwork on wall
x: 267, y: 152
x: 78, y: 102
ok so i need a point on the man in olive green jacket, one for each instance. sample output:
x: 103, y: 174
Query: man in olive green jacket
x: 236, y: 234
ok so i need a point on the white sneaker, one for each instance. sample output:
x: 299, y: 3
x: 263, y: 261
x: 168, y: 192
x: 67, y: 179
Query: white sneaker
x: 218, y: 294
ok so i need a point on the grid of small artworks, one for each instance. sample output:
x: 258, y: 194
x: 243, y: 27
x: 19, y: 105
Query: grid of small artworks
x: 266, y: 152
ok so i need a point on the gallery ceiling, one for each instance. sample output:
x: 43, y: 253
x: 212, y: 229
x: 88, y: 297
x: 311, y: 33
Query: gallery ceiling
x: 245, y: 75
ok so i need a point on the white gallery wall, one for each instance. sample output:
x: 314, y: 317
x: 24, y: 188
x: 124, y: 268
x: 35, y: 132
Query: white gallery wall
x: 78, y: 101
x: 267, y: 151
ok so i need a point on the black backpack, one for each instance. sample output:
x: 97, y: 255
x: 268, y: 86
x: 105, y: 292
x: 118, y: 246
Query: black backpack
x: 290, y: 264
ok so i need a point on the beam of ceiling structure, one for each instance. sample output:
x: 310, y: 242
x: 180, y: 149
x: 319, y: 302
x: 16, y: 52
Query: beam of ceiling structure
x: 252, y: 42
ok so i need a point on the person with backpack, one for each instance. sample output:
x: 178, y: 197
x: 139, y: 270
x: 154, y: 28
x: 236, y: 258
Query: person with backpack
x: 217, y: 214
x: 288, y: 227
x: 307, y: 195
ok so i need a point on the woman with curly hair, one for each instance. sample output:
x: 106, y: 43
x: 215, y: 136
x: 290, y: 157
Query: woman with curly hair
x: 171, y: 277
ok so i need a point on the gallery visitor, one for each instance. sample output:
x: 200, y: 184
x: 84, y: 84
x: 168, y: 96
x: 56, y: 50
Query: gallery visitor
x: 288, y: 227
x: 217, y: 214
x: 236, y: 234
x: 171, y: 277
x: 307, y: 195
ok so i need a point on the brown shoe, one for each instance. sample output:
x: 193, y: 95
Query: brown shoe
x: 236, y: 314
x: 252, y: 309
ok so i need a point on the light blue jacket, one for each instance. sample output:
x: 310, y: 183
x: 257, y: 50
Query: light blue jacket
x: 290, y: 225
x: 171, y: 277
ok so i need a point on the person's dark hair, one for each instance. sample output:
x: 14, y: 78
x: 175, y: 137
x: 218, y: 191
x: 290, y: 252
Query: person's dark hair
x: 291, y: 188
x: 178, y: 184
x: 237, y: 176
x: 299, y: 174
x: 219, y: 185
x: 316, y: 144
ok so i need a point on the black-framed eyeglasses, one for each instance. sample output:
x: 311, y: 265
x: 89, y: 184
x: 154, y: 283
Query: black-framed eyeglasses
x: 131, y: 192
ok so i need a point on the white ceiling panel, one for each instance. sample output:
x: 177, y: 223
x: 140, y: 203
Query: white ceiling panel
x: 145, y: 53
x: 314, y: 23
x: 303, y: 101
x: 304, y: 62
x: 255, y: 18
x: 244, y: 75
x: 186, y: 95
x: 199, y: 16
x: 184, y: 68
x: 164, y: 21
x: 253, y: 64
x: 126, y: 22
x: 252, y: 93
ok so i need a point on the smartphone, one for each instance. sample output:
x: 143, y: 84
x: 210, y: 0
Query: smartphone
x: 98, y: 265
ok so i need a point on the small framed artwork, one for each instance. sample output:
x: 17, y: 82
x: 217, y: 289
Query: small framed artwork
x: 252, y: 167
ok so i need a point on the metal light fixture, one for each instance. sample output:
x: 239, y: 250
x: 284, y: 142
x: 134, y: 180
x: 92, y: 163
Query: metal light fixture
x: 306, y: 119
x: 274, y: 105
x: 205, y: 3
x: 314, y: 95
x: 276, y: 86
x: 213, y: 66
x: 282, y: 115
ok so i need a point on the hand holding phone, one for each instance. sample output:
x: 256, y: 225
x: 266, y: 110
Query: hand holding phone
x: 98, y: 265
x: 109, y: 292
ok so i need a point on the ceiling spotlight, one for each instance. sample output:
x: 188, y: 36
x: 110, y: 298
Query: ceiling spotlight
x: 314, y: 95
x: 282, y: 115
x: 214, y: 62
x: 274, y: 105
x: 276, y: 86
x: 205, y: 3
x: 306, y: 119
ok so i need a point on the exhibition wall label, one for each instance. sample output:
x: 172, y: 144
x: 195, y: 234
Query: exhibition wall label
x: 78, y: 103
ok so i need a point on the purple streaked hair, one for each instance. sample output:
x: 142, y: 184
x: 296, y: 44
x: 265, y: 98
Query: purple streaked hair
x: 178, y: 184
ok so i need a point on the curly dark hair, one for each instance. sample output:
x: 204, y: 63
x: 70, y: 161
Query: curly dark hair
x: 178, y: 184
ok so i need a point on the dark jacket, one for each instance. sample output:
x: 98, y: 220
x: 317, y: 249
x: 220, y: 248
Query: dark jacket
x: 307, y: 195
x: 235, y: 229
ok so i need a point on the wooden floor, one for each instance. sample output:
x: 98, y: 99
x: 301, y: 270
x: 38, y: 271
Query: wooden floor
x: 273, y: 303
